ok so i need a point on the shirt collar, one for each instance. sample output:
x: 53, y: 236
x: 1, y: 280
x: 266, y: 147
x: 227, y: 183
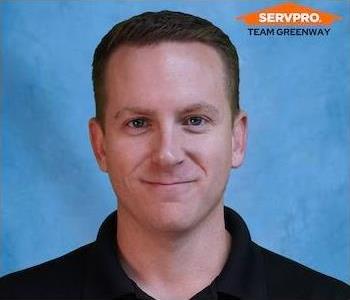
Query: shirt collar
x: 242, y: 275
x: 105, y: 277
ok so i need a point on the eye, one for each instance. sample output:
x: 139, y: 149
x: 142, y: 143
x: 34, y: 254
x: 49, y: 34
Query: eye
x: 195, y: 121
x: 137, y: 123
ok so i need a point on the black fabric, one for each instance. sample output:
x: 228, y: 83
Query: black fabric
x: 251, y: 272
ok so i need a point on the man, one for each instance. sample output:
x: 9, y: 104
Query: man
x: 168, y: 129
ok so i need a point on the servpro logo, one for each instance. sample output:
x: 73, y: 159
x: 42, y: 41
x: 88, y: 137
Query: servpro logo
x: 289, y: 18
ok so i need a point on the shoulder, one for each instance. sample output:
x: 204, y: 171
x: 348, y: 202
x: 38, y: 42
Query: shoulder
x: 287, y: 279
x: 60, y: 277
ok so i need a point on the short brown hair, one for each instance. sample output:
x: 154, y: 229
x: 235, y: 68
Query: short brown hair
x: 154, y: 27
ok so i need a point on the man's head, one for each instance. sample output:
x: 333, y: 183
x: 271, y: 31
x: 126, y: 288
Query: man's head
x: 168, y: 139
x: 152, y: 28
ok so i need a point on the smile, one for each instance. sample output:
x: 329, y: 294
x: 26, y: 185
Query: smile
x: 167, y: 183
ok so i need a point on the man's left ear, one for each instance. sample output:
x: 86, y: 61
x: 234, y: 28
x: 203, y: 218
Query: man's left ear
x: 239, y: 138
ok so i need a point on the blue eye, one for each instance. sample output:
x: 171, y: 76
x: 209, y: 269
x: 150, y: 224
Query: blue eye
x: 137, y: 123
x: 195, y: 121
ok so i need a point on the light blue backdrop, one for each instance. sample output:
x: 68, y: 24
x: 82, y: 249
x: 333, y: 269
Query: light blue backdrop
x: 293, y: 189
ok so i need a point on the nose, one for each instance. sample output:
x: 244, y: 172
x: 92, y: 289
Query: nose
x: 167, y: 148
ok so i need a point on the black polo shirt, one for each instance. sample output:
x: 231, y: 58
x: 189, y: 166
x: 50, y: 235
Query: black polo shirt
x: 94, y: 272
x: 239, y: 278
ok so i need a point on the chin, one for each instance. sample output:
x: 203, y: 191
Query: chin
x: 175, y: 227
x: 174, y: 217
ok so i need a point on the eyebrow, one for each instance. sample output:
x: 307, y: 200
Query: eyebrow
x: 135, y: 110
x: 203, y: 107
x: 196, y: 107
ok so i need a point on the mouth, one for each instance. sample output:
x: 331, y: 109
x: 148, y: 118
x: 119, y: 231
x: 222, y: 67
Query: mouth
x: 167, y: 183
x: 169, y: 190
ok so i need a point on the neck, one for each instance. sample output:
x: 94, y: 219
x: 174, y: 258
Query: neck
x: 178, y: 264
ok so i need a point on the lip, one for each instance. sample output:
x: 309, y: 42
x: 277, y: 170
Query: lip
x: 167, y: 183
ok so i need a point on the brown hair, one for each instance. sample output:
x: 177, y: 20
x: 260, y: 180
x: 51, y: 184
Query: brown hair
x: 155, y: 27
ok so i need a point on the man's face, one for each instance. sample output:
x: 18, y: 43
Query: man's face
x: 168, y: 143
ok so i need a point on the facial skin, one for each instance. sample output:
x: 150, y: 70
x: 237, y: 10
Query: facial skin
x: 168, y: 142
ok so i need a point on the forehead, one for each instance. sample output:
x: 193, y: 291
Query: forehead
x: 166, y: 72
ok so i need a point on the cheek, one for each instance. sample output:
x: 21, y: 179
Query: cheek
x: 212, y: 153
x: 220, y: 162
x: 219, y: 158
x: 218, y: 147
x: 124, y: 155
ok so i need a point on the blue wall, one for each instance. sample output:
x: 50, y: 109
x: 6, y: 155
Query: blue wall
x: 293, y: 189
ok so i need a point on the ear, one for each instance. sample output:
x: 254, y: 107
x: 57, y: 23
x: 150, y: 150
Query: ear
x: 97, y: 142
x: 239, y: 138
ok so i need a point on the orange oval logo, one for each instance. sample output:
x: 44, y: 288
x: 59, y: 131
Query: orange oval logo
x: 289, y: 14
